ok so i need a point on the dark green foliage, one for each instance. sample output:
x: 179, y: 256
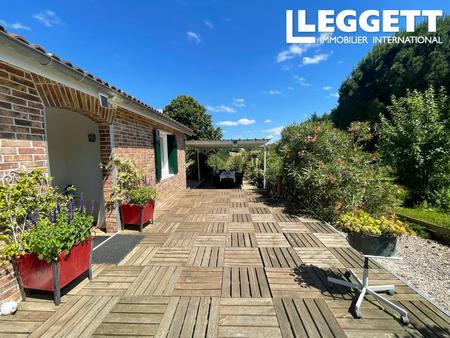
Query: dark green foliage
x: 415, y: 141
x: 326, y: 171
x: 391, y: 69
x: 142, y: 195
x: 185, y: 109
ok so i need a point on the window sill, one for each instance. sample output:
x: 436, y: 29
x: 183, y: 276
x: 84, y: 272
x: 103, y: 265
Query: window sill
x: 165, y: 177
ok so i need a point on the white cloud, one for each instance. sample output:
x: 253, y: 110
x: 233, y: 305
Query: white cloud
x: 298, y: 50
x: 14, y: 25
x: 274, y: 131
x: 302, y: 81
x: 220, y: 109
x: 47, y: 17
x: 240, y: 122
x: 268, y: 121
x: 239, y: 102
x: 292, y: 52
x: 334, y: 95
x: 193, y: 37
x: 290, y: 88
x: 209, y: 24
x: 273, y: 92
x: 315, y: 59
x: 327, y: 88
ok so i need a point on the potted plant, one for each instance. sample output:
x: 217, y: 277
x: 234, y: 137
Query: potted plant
x: 370, y: 235
x: 47, y: 239
x: 136, y: 199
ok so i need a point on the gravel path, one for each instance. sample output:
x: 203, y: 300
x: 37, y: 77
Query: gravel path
x: 425, y: 266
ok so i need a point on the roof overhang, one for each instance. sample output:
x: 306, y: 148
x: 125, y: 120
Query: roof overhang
x: 18, y: 52
x: 226, y: 144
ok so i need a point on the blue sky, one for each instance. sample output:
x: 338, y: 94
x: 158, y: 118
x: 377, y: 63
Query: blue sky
x: 230, y: 55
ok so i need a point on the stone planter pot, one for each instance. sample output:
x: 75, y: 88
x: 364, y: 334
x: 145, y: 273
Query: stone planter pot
x: 376, y: 245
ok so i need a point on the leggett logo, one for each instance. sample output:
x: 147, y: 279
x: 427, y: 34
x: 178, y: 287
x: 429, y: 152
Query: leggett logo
x: 370, y: 21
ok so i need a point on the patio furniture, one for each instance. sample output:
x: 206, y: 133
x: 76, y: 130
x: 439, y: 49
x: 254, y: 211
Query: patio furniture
x: 364, y: 288
x: 228, y: 175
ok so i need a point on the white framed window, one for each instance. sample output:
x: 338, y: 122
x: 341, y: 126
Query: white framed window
x: 166, y: 155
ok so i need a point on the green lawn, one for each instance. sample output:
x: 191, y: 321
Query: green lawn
x: 431, y: 216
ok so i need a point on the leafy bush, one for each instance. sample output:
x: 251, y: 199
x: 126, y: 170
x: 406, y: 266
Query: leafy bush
x: 326, y: 171
x: 362, y: 222
x: 416, y: 143
x: 218, y: 161
x: 142, y: 195
x: 441, y: 199
x: 131, y: 184
x: 36, y: 218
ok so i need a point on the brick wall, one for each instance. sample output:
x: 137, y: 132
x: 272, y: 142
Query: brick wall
x: 23, y: 98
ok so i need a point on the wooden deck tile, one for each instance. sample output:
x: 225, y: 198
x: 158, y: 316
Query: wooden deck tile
x: 280, y: 257
x: 284, y: 282
x: 241, y: 218
x: 245, y: 282
x: 154, y: 239
x: 270, y: 227
x: 271, y: 240
x: 155, y: 281
x: 303, y: 240
x: 321, y: 257
x: 170, y: 256
x: 248, y: 317
x: 242, y: 257
x: 134, y: 316
x: 259, y: 210
x: 199, y: 282
x: 203, y: 256
x: 162, y: 227
x: 241, y: 240
x: 331, y: 240
x: 350, y: 258
x: 80, y: 317
x: 180, y: 240
x: 190, y: 317
x: 240, y: 227
x: 295, y: 227
x: 192, y: 227
x: 216, y: 227
x: 306, y: 318
x: 238, y: 204
x: 218, y: 240
x: 285, y: 218
x: 262, y: 218
x: 316, y: 227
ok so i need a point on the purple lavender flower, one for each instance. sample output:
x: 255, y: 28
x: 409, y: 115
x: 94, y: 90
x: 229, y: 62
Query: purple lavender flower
x: 91, y: 210
x: 52, y: 217
x: 58, y: 207
x: 81, y: 202
x: 35, y: 217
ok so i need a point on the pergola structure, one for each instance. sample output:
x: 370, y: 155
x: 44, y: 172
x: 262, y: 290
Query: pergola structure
x: 228, y: 144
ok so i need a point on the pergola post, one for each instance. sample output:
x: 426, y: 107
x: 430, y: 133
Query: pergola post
x: 198, y: 166
x: 265, y: 166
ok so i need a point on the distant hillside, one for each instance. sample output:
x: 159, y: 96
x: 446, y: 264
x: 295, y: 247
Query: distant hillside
x: 390, y: 69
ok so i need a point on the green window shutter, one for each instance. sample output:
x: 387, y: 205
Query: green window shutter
x: 173, y: 154
x: 157, y: 155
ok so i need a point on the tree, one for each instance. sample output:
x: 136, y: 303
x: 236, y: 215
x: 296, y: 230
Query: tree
x: 188, y: 111
x: 415, y: 141
x: 391, y: 69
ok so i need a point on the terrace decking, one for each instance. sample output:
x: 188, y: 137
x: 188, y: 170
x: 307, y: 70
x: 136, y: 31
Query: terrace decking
x: 225, y: 263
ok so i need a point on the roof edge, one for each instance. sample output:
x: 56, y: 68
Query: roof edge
x: 22, y: 46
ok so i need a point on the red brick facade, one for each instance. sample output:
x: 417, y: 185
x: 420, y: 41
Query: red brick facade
x: 23, y: 99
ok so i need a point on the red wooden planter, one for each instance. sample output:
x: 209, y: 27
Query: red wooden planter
x: 133, y: 214
x: 40, y: 275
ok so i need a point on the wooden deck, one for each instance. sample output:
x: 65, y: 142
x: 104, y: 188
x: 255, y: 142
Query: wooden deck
x: 226, y: 263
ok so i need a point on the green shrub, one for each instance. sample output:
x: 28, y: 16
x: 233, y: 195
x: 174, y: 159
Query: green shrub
x: 326, y: 171
x: 362, y: 222
x: 142, y: 195
x: 130, y: 183
x: 415, y: 141
x: 218, y: 161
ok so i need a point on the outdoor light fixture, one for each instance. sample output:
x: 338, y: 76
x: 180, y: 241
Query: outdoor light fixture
x: 104, y: 100
x: 91, y: 137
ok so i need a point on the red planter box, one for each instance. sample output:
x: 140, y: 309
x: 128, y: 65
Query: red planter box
x: 40, y: 275
x: 133, y: 214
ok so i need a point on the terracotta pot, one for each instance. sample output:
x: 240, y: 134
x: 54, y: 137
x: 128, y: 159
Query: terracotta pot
x: 133, y: 214
x: 36, y: 274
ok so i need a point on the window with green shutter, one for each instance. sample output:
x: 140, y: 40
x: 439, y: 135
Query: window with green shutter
x: 157, y: 154
x: 172, y: 154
